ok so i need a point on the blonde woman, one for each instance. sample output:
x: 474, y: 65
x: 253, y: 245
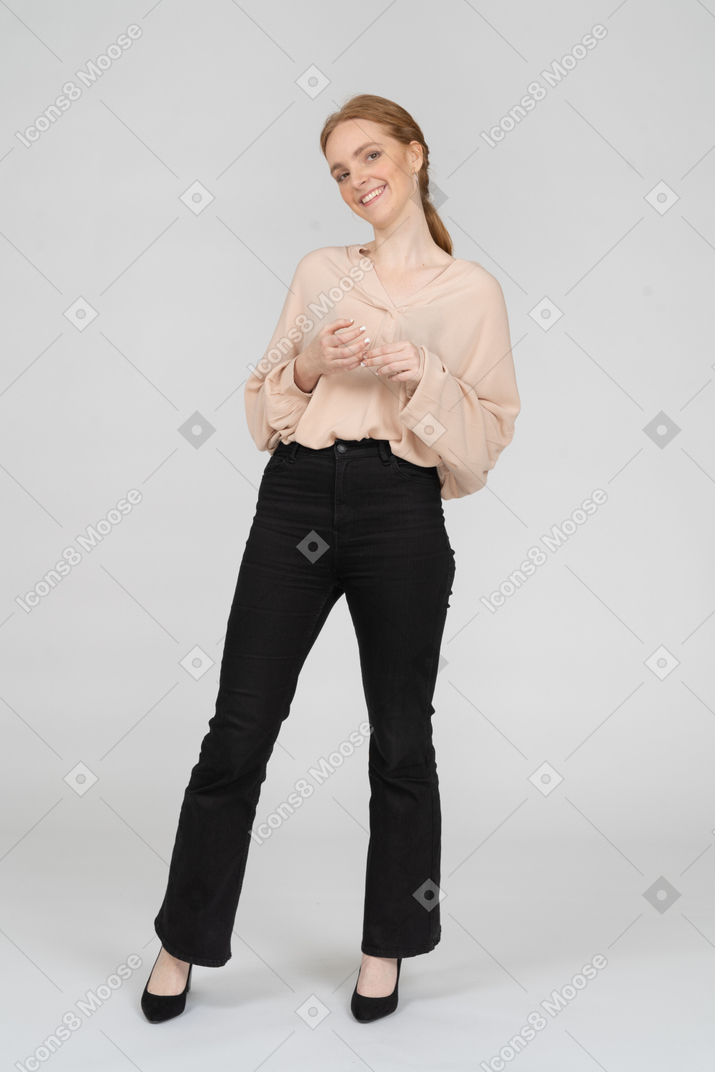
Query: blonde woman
x: 388, y: 386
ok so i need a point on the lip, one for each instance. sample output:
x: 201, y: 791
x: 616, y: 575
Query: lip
x: 384, y: 187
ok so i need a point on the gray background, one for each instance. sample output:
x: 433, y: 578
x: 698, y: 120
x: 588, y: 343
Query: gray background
x: 617, y: 859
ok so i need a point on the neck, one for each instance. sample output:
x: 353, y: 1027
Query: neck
x: 406, y: 244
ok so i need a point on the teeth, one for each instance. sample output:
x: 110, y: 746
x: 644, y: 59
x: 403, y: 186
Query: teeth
x: 372, y: 195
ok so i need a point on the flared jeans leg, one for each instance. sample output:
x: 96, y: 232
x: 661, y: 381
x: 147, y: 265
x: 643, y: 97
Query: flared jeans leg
x: 397, y: 587
x: 399, y: 660
x: 345, y: 519
x: 280, y: 605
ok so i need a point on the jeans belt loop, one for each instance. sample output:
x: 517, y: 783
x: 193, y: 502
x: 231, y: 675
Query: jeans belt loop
x: 293, y: 450
x: 385, y: 451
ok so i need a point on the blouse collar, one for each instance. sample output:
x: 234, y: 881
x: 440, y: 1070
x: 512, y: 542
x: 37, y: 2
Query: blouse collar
x: 436, y: 287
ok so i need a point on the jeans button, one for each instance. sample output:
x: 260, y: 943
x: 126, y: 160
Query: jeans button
x: 342, y: 448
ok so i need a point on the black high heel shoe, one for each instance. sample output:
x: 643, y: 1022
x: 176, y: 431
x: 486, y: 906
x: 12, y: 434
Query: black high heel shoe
x: 160, y: 1007
x: 365, y: 1009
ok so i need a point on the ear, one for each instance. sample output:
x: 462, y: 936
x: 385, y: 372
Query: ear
x: 416, y: 155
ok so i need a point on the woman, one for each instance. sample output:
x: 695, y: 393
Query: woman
x: 388, y: 386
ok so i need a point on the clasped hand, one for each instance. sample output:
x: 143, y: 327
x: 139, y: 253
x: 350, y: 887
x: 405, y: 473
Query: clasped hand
x: 330, y: 353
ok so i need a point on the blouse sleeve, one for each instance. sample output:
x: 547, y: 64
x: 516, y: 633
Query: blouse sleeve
x: 468, y: 420
x: 273, y: 402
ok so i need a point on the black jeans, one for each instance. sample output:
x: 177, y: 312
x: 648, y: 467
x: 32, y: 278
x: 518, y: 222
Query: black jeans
x: 351, y: 518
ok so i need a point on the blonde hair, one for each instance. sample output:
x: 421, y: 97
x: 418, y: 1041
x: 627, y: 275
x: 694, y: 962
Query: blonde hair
x: 401, y: 126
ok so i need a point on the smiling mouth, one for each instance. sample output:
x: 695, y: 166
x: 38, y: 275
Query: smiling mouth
x: 374, y: 195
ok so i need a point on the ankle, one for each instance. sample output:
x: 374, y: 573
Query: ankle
x: 166, y: 958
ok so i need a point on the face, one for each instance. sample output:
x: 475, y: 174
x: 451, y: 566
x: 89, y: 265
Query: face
x: 363, y: 160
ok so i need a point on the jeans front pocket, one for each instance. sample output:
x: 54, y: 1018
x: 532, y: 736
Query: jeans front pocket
x: 419, y: 474
x: 275, y: 462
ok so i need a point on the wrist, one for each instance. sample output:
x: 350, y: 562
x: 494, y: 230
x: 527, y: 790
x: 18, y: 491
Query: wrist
x: 304, y: 373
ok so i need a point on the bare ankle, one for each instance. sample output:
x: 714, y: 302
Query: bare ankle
x: 168, y: 958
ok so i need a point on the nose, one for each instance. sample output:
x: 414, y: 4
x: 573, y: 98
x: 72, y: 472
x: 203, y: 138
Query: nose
x: 359, y: 181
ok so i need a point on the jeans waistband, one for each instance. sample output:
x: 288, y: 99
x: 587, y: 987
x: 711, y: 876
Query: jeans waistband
x: 339, y: 448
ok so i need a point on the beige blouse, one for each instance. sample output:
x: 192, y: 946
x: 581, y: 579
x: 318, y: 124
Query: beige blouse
x: 458, y: 414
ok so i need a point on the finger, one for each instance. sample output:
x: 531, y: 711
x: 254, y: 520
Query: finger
x: 390, y: 369
x: 383, y: 353
x: 349, y: 335
x: 386, y: 348
x: 343, y: 355
x: 344, y: 329
x: 353, y: 346
x: 352, y: 336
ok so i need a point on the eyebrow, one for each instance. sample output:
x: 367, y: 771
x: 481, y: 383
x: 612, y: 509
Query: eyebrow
x: 357, y: 152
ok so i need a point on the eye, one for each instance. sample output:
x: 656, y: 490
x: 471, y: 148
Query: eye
x: 375, y: 152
